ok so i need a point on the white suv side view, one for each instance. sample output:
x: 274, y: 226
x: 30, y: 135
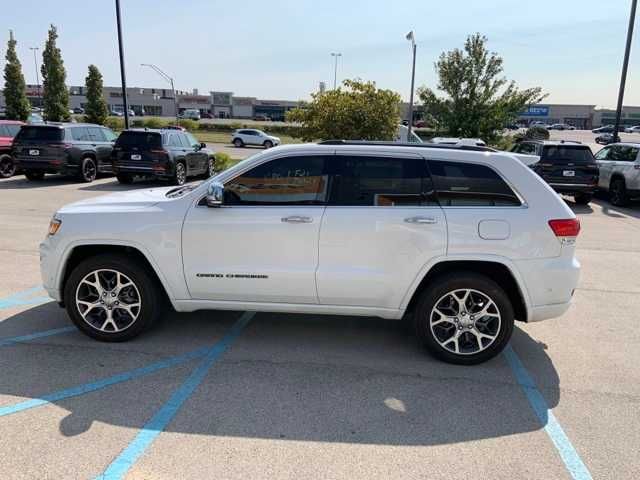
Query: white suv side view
x: 460, y: 240
x: 619, y: 165
x: 252, y: 136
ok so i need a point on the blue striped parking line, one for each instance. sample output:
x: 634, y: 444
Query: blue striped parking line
x: 121, y: 465
x: 34, y: 336
x: 568, y: 453
x: 23, y: 298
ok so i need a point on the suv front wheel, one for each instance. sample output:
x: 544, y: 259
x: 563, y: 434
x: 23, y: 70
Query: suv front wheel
x: 180, y: 174
x: 464, y: 318
x: 110, y: 298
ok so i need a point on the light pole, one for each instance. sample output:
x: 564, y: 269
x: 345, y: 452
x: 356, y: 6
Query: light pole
x: 35, y: 62
x: 335, y: 69
x: 412, y: 39
x: 168, y: 79
x: 122, y: 74
x: 625, y: 64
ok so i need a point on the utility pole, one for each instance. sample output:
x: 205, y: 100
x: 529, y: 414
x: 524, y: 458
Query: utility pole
x: 412, y: 39
x: 625, y: 65
x: 35, y: 62
x: 122, y: 73
x: 335, y: 69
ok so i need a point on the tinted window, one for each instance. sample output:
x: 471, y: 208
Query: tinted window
x: 284, y: 181
x: 95, y: 134
x: 470, y: 185
x: 45, y: 134
x: 623, y: 153
x: 380, y: 181
x: 9, y: 130
x: 79, y: 133
x: 109, y: 135
x: 191, y: 140
x: 528, y: 148
x: 566, y: 154
x: 141, y: 140
x: 603, y: 154
x: 173, y: 140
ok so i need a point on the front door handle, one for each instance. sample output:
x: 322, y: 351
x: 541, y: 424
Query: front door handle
x: 297, y: 219
x: 426, y: 220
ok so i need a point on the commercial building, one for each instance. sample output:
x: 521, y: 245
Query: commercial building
x: 580, y: 116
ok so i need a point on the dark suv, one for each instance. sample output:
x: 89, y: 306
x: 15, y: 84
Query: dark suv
x: 568, y: 167
x: 78, y: 149
x: 166, y: 154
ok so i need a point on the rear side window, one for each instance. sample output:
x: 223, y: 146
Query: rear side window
x: 45, y: 134
x: 140, y: 140
x: 460, y: 184
x: 95, y: 134
x: 623, y: 153
x: 566, y: 154
x: 80, y: 133
x: 380, y: 181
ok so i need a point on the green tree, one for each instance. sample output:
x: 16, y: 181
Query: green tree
x: 55, y: 92
x: 478, y: 100
x: 15, y: 97
x: 360, y: 111
x: 96, y: 107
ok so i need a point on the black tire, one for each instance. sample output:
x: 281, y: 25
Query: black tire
x: 238, y: 143
x: 144, y: 282
x: 179, y: 174
x: 268, y: 144
x: 618, y: 192
x: 482, y: 286
x: 88, y: 170
x: 211, y: 167
x: 7, y: 166
x: 34, y: 175
x: 583, y: 198
x: 125, y: 178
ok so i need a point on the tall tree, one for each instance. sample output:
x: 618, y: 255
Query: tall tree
x: 96, y: 107
x: 55, y: 92
x: 478, y: 100
x: 361, y: 111
x: 15, y: 96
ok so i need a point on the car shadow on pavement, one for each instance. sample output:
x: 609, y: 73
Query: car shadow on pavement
x: 19, y: 182
x: 296, y: 377
x: 619, y: 212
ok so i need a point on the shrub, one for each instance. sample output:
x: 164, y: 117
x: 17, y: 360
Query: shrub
x: 235, y: 126
x: 223, y: 161
x: 114, y: 123
x: 537, y: 133
x: 504, y: 143
x: 153, y: 123
x: 137, y: 123
x: 190, y: 125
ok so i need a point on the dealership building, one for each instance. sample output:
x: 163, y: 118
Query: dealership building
x: 580, y: 116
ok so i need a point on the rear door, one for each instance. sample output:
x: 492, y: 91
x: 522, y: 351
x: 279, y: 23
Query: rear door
x: 102, y: 147
x: 381, y: 227
x: 566, y: 164
x: 626, y: 164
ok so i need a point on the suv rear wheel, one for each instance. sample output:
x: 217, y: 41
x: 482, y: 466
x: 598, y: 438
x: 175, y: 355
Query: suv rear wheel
x: 110, y: 298
x: 464, y: 318
x: 34, y: 175
x: 238, y: 143
x: 7, y: 166
x: 88, y: 170
x: 180, y: 174
x: 618, y: 192
x: 583, y: 198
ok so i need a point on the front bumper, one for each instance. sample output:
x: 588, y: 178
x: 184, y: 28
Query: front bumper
x: 48, y: 268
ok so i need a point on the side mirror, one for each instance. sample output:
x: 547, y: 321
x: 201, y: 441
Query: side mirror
x: 203, y: 145
x: 215, y: 195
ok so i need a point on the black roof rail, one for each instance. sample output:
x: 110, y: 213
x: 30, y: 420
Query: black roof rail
x: 445, y: 146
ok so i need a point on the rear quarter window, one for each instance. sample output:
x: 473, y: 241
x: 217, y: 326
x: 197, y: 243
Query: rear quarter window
x: 459, y: 184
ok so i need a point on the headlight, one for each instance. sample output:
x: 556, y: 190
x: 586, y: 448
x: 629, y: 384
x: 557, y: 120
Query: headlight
x: 54, y: 226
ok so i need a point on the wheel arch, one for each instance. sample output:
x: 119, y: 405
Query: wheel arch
x: 497, y: 269
x: 77, y: 253
x: 615, y: 176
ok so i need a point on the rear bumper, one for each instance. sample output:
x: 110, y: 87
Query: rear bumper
x: 144, y: 170
x: 569, y: 188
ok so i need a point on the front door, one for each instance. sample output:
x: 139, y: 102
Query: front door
x: 381, y: 227
x: 262, y: 244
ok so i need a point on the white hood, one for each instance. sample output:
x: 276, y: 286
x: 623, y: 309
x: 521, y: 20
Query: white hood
x: 120, y: 201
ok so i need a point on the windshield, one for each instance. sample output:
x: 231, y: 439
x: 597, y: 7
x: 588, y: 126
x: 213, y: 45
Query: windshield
x: 141, y: 140
x: 45, y: 134
x: 567, y: 154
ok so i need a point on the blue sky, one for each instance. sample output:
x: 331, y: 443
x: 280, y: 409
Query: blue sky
x: 281, y: 49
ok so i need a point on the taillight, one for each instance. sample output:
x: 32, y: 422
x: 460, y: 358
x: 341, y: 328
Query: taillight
x: 565, y: 228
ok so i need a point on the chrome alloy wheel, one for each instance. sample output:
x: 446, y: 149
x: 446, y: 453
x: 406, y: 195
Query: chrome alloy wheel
x: 465, y: 321
x: 108, y: 300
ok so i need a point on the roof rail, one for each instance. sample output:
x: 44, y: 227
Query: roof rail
x: 413, y: 145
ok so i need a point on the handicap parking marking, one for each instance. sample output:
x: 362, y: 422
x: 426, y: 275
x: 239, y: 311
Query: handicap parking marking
x: 568, y: 453
x: 34, y: 336
x: 156, y: 425
x: 24, y: 298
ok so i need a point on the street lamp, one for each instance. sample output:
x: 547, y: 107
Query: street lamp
x: 412, y: 39
x: 35, y: 62
x: 168, y: 79
x: 625, y: 65
x: 335, y: 69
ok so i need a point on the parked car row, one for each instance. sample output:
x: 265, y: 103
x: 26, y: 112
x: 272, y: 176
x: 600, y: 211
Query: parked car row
x: 85, y: 150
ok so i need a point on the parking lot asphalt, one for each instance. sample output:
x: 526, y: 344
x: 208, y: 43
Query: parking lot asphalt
x: 230, y: 395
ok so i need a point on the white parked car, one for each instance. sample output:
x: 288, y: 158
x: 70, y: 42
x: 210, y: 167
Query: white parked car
x: 619, y: 166
x: 252, y: 136
x: 634, y: 129
x: 461, y: 240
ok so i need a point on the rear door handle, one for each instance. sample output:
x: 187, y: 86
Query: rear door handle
x: 297, y: 219
x: 426, y: 220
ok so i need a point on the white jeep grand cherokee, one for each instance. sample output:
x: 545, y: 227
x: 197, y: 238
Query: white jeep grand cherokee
x: 462, y: 240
